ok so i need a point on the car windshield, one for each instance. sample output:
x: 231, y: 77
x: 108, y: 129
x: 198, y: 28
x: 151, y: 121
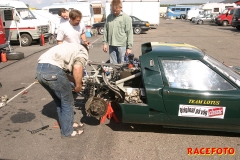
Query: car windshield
x: 136, y: 19
x: 223, y: 69
x: 25, y: 13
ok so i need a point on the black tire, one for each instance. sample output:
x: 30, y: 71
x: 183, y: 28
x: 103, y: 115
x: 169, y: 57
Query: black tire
x: 26, y: 40
x: 137, y: 30
x: 238, y: 27
x: 14, y: 55
x: 100, y: 30
x: 225, y: 23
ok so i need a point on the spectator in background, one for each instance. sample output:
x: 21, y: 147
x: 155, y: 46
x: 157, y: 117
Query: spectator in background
x: 118, y: 33
x: 73, y: 31
x: 64, y: 14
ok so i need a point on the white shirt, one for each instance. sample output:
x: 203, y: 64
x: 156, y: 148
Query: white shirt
x: 69, y: 33
x: 64, y: 55
x: 63, y: 20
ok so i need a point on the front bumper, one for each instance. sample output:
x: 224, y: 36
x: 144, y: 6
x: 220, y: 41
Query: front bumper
x: 218, y: 22
x: 144, y: 28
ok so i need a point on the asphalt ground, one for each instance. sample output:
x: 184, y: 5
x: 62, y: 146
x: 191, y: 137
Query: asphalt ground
x: 31, y: 105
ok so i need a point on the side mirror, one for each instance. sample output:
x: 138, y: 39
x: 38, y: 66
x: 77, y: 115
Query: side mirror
x: 16, y: 18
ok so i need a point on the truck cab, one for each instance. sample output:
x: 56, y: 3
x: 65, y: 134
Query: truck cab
x: 225, y: 18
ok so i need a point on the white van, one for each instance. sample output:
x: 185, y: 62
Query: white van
x: 84, y: 7
x: 52, y: 20
x: 27, y: 25
x: 194, y: 13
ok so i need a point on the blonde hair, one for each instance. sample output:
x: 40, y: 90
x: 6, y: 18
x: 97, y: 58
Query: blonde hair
x: 116, y: 3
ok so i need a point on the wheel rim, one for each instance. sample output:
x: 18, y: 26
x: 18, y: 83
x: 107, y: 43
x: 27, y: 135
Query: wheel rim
x: 225, y: 23
x: 137, y: 30
x: 101, y: 30
x: 24, y: 40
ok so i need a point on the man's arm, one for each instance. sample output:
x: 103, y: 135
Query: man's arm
x: 105, y: 37
x: 84, y: 39
x: 77, y: 75
x: 129, y: 33
x: 60, y: 35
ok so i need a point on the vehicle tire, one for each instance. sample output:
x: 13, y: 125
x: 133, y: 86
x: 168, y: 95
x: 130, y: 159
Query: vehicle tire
x: 137, y: 30
x: 225, y: 23
x: 238, y: 27
x: 14, y: 55
x: 100, y: 30
x: 200, y: 22
x: 26, y: 39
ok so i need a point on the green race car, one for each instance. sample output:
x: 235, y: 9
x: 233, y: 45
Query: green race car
x: 174, y: 85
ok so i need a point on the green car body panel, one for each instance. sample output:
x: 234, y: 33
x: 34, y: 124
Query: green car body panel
x: 180, y: 107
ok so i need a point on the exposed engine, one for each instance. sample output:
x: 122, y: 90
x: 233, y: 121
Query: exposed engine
x: 106, y: 82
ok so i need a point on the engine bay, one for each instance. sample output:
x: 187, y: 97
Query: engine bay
x: 107, y: 82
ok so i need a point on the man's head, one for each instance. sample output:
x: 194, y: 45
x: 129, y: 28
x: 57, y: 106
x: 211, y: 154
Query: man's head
x: 116, y: 7
x: 75, y: 17
x: 63, y: 13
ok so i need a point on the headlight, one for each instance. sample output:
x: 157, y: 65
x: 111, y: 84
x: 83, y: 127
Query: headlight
x: 219, y: 19
x: 147, y: 24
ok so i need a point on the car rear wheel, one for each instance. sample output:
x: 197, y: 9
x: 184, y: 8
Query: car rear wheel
x: 100, y: 30
x: 225, y: 23
x: 26, y: 40
x: 200, y: 22
x: 137, y: 30
x: 238, y: 27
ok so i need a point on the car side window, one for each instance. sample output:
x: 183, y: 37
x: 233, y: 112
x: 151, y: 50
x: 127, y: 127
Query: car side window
x: 194, y: 75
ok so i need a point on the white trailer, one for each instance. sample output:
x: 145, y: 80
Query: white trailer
x: 216, y: 8
x: 146, y: 10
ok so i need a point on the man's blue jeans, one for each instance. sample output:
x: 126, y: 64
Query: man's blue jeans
x: 117, y: 54
x: 55, y: 81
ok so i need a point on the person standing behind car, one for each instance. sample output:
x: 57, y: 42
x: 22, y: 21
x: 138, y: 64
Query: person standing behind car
x: 118, y: 33
x: 72, y: 31
x: 64, y: 14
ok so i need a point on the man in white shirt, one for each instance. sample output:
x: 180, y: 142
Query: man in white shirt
x: 72, y: 31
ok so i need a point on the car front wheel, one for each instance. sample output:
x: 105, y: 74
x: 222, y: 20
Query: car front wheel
x: 225, y: 23
x: 100, y: 30
x: 26, y: 40
x: 137, y: 30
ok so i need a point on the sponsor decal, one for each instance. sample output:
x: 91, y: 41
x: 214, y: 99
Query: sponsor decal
x: 201, y: 111
x: 211, y: 151
x: 199, y: 101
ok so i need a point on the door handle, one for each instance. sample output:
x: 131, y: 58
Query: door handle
x: 167, y: 91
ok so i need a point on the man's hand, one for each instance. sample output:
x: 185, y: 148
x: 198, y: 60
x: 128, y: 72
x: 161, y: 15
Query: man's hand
x: 105, y: 48
x: 86, y: 43
x: 78, y: 88
x: 128, y: 51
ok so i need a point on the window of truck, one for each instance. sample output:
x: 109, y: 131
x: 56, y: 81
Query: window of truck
x: 215, y: 9
x: 25, y: 13
x: 8, y: 15
x: 54, y: 10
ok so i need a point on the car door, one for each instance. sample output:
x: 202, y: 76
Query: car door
x: 194, y: 92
